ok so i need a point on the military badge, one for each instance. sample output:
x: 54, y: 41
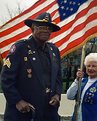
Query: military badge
x: 54, y: 57
x: 12, y: 49
x: 47, y: 90
x: 29, y: 71
x: 29, y: 52
x: 29, y: 75
x: 34, y: 58
x: 33, y: 52
x: 7, y: 63
x: 25, y: 58
x: 29, y: 46
x: 51, y: 48
x: 90, y: 93
x: 54, y: 54
x: 93, y: 89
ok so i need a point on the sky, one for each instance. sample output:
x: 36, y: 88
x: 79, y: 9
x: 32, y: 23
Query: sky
x: 12, y: 5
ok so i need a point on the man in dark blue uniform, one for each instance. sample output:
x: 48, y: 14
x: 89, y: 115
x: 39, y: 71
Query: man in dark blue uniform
x: 31, y: 75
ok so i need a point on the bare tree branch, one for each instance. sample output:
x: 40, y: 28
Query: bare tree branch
x: 11, y: 12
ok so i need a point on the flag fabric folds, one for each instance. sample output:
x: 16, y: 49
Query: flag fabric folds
x: 77, y: 19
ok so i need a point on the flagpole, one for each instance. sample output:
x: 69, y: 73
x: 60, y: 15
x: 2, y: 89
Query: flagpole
x: 77, y: 103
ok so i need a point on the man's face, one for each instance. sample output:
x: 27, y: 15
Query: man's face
x: 42, y: 33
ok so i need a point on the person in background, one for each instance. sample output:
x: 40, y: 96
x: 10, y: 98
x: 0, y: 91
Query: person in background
x: 88, y: 101
x: 31, y: 75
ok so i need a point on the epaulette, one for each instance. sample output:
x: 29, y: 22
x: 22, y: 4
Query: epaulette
x: 52, y: 44
x: 20, y: 43
x: 17, y: 46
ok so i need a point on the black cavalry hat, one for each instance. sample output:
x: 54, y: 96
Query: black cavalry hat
x: 44, y: 19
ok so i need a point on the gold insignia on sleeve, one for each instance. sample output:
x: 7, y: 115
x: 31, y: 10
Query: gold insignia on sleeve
x: 25, y: 59
x: 7, y: 63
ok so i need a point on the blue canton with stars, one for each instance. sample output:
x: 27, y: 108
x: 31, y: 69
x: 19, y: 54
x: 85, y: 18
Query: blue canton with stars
x: 68, y: 7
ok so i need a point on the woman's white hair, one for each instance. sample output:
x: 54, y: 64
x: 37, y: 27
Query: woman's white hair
x: 90, y: 57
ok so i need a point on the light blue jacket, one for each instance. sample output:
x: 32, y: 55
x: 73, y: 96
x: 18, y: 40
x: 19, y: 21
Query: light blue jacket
x: 89, y: 103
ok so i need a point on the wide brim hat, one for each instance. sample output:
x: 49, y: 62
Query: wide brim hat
x: 43, y: 19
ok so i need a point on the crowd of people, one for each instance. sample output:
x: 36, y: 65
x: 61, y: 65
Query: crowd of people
x: 31, y: 78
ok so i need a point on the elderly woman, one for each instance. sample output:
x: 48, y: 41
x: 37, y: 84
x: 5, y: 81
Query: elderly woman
x: 88, y: 103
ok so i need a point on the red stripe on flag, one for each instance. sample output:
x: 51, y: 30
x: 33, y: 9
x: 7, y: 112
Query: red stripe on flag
x: 76, y: 29
x: 71, y: 46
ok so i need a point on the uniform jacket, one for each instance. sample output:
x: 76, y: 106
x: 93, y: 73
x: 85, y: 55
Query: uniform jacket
x: 22, y: 76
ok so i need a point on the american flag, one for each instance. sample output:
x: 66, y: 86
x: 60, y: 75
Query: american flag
x: 77, y: 19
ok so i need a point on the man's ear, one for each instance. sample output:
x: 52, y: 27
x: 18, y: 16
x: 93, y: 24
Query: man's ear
x: 32, y: 27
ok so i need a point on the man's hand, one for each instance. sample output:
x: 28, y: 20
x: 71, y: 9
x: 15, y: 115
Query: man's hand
x: 54, y: 100
x: 24, y: 106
